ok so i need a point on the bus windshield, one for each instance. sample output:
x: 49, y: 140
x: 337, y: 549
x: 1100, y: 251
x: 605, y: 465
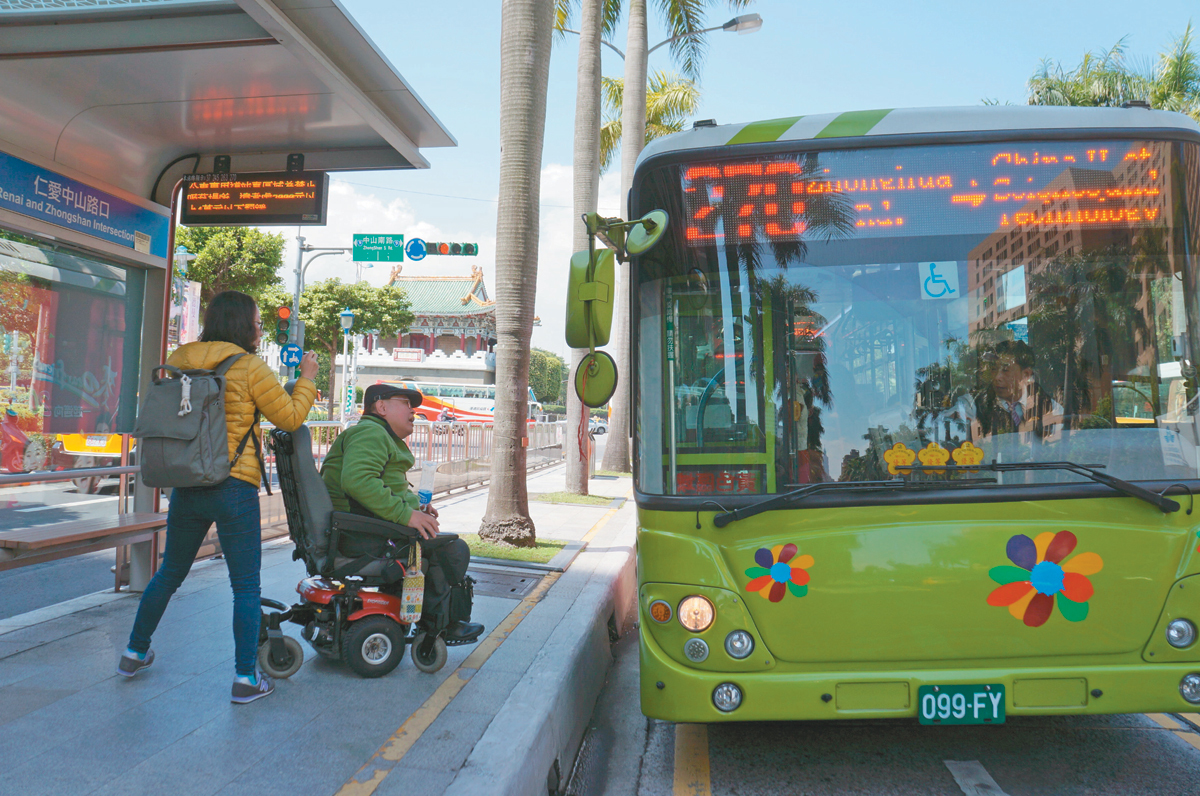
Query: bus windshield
x: 819, y: 316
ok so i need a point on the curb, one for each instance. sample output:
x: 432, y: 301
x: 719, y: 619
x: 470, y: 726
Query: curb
x: 530, y: 745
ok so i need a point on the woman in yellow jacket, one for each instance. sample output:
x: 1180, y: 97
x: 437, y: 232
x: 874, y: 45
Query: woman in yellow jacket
x: 232, y: 325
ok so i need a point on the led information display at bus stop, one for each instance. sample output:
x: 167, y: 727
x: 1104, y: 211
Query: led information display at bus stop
x: 294, y: 198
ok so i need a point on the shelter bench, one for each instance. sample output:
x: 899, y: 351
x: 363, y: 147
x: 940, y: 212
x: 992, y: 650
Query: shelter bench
x: 23, y: 546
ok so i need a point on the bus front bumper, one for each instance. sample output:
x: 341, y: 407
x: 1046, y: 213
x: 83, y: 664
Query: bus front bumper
x: 673, y: 692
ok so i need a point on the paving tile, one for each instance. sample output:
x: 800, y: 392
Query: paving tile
x: 449, y: 740
x: 17, y: 700
x: 409, y: 780
x: 513, y: 656
x: 487, y: 691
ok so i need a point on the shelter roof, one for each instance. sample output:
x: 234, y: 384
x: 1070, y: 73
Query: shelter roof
x: 119, y: 89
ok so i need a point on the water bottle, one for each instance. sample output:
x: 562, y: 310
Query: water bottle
x: 425, y: 491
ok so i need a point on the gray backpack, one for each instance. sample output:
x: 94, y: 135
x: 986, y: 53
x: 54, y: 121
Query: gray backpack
x: 181, y: 429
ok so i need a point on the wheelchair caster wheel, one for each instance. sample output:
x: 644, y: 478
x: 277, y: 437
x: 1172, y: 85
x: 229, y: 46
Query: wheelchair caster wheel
x: 293, y: 659
x: 432, y: 659
x: 373, y: 646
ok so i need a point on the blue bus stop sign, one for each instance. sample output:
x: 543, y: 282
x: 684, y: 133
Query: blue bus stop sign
x: 415, y: 249
x: 291, y: 354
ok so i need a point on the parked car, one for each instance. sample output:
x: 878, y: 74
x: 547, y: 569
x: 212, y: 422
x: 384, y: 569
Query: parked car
x: 598, y: 425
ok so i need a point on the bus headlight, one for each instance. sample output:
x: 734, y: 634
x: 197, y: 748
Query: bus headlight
x: 696, y: 613
x: 1181, y: 633
x: 1189, y: 688
x: 739, y: 644
x: 727, y: 697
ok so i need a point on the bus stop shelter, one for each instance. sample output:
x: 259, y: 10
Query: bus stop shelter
x: 104, y: 106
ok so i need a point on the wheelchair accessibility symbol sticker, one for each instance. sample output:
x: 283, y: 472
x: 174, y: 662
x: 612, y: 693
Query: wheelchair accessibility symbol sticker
x: 938, y: 280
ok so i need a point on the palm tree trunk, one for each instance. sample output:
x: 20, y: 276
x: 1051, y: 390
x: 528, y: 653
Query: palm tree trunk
x: 586, y: 179
x: 524, y: 71
x: 633, y: 139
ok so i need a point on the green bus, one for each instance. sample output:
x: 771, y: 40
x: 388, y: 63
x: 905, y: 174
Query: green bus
x: 915, y: 416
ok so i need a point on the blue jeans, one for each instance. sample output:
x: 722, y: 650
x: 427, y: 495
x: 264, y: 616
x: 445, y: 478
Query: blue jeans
x: 233, y: 506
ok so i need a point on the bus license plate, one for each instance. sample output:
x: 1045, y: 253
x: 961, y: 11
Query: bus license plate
x: 961, y: 704
x: 97, y: 441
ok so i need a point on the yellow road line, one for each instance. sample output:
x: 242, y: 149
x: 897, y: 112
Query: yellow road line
x: 374, y: 771
x: 691, y: 760
x: 1163, y: 720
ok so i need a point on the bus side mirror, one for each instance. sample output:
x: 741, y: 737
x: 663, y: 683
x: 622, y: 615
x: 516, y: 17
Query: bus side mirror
x: 600, y: 292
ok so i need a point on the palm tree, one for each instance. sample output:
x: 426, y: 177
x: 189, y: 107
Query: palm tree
x: 685, y: 20
x: 1105, y: 79
x: 598, y: 18
x: 670, y: 100
x: 586, y: 190
x: 524, y: 72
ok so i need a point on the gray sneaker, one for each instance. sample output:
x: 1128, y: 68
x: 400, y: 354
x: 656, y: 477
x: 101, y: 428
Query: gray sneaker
x: 128, y: 666
x: 244, y: 693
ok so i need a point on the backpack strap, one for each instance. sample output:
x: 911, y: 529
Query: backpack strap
x: 250, y: 435
x: 226, y: 364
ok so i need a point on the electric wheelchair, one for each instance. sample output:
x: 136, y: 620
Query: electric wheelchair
x: 346, y: 608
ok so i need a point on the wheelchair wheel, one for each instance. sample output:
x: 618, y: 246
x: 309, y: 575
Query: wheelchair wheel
x: 373, y: 646
x: 281, y: 669
x: 430, y: 661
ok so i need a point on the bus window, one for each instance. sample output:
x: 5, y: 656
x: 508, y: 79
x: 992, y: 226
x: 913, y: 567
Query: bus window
x: 811, y: 359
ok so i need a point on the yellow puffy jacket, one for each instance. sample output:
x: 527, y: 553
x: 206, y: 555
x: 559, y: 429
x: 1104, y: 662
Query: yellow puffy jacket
x: 250, y: 384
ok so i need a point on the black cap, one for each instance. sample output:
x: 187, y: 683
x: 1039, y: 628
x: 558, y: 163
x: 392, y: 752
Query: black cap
x: 380, y: 392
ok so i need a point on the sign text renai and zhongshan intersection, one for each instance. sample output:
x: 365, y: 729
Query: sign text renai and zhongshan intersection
x: 48, y: 196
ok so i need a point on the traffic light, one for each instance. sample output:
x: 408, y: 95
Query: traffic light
x: 283, y: 326
x: 454, y: 249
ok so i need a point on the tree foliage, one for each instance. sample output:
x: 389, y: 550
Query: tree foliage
x: 670, y: 100
x: 386, y: 309
x: 545, y: 375
x: 232, y: 258
x: 1106, y: 79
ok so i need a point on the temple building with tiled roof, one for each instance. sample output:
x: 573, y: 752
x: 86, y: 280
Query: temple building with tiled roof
x: 451, y: 313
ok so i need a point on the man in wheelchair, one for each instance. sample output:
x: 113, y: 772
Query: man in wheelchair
x: 365, y: 472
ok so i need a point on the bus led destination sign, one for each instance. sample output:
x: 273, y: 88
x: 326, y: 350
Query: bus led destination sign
x: 292, y: 198
x: 908, y: 191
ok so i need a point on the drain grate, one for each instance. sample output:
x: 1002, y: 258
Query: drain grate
x: 489, y: 583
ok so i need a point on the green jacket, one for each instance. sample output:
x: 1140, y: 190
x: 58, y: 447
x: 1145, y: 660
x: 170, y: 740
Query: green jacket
x: 366, y: 470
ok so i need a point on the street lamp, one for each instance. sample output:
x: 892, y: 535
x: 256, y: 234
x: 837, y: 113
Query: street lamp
x: 746, y: 23
x: 301, y: 269
x: 346, y: 317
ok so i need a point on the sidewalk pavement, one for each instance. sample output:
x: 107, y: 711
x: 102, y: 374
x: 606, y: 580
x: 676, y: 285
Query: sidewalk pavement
x: 505, y: 715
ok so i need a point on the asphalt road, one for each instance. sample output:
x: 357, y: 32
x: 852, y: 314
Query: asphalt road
x: 1122, y: 755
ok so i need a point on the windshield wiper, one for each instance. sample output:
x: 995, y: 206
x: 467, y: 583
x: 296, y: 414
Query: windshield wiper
x: 775, y: 501
x: 1165, y: 504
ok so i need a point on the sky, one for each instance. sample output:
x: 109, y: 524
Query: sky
x: 807, y: 58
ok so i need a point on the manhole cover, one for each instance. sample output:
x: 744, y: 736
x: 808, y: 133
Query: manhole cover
x: 489, y: 583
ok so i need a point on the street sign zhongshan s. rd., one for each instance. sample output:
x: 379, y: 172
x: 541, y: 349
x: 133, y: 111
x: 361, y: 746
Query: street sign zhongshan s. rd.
x: 294, y: 198
x: 378, y: 248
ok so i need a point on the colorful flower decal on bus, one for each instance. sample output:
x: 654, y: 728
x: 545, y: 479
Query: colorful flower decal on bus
x: 966, y: 454
x: 778, y: 572
x: 1041, y: 577
x: 932, y: 455
x: 897, y: 456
